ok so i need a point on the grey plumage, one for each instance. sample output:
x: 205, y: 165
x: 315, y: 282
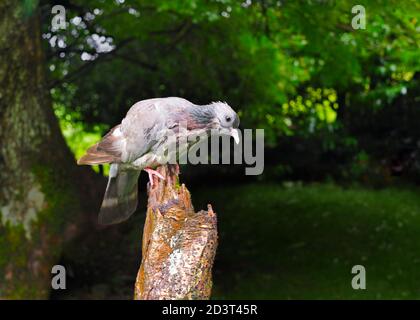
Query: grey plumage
x: 121, y: 193
x: 132, y: 145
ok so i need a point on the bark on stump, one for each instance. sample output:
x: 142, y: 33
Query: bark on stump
x: 179, y: 244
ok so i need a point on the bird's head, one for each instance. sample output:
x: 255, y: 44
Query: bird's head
x: 226, y: 120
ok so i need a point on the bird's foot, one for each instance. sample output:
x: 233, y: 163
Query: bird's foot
x: 151, y: 173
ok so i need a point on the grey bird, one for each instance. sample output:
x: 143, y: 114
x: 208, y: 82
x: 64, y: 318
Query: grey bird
x: 136, y: 143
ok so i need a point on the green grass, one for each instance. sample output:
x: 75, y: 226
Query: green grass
x: 298, y: 242
x: 301, y: 242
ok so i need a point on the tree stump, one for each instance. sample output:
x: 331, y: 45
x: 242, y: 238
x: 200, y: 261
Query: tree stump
x: 179, y: 244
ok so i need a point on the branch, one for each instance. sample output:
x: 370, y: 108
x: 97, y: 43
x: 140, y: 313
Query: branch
x: 179, y: 245
x: 88, y: 65
x: 132, y: 59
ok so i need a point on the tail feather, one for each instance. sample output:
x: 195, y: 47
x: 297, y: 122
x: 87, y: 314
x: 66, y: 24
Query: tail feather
x: 120, y: 199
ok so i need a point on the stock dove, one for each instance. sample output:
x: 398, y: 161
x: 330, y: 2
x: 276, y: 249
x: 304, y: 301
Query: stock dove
x: 134, y: 144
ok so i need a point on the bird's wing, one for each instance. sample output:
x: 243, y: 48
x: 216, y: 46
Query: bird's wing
x: 147, y: 122
x: 144, y: 126
x: 108, y: 150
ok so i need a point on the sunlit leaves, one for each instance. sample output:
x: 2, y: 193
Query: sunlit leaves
x: 282, y: 64
x: 316, y: 109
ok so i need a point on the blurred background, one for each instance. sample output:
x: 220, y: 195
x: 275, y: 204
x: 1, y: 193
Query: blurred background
x: 339, y: 106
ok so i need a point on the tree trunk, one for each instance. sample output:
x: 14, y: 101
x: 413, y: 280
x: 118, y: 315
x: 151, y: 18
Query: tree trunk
x: 39, y: 201
x: 179, y: 245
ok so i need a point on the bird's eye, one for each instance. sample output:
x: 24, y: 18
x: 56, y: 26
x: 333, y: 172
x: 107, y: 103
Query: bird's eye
x: 228, y: 119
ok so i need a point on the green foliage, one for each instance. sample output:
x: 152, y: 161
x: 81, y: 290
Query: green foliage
x: 270, y: 60
x: 77, y: 136
x: 316, y: 109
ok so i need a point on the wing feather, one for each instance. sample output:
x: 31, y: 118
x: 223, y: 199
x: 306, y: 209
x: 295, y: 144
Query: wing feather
x: 108, y: 150
x: 143, y: 128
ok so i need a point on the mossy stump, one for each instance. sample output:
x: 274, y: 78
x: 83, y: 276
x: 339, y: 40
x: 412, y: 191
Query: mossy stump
x: 179, y: 244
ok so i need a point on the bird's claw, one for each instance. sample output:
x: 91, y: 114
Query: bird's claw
x: 151, y: 173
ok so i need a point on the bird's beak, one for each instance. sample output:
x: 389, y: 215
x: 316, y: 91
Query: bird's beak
x: 234, y: 133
